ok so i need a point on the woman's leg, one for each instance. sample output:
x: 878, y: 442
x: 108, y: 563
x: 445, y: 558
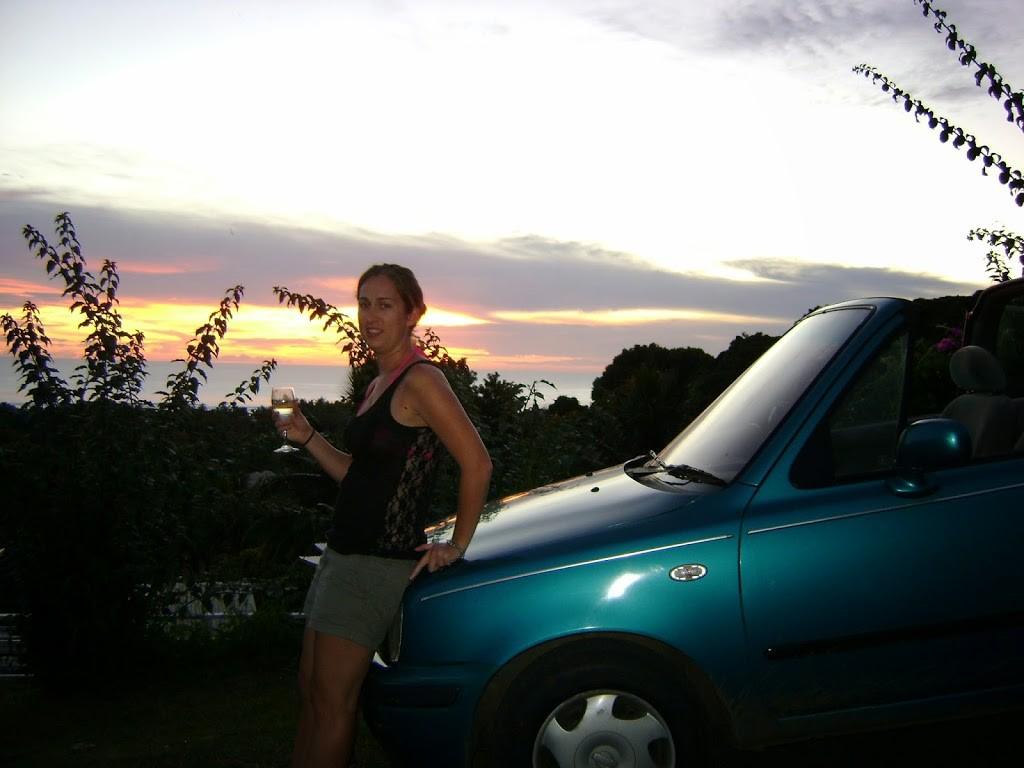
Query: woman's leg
x: 304, y: 735
x: 339, y: 667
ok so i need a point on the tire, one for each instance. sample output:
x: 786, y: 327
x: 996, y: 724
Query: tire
x: 596, y: 706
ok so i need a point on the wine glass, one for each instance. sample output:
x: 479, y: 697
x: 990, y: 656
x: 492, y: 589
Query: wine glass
x: 283, y: 401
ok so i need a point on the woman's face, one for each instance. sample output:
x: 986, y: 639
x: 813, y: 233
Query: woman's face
x: 383, y: 320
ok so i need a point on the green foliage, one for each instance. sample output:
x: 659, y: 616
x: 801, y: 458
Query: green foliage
x: 116, y: 500
x: 114, y: 363
x: 183, y: 387
x: 115, y: 503
x: 29, y: 344
x: 1013, y: 103
x: 1012, y: 246
x: 968, y: 55
x: 352, y: 343
x: 247, y: 390
x: 529, y: 446
x: 114, y: 367
x: 645, y: 396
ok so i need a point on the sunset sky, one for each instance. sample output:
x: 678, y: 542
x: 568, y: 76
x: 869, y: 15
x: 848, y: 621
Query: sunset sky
x: 567, y: 178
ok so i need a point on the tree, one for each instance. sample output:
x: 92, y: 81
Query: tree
x: 985, y: 75
x: 645, y: 396
x: 114, y: 364
x: 114, y: 500
x: 114, y: 360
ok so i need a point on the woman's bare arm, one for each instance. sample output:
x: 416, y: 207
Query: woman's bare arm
x: 334, y: 462
x: 431, y: 398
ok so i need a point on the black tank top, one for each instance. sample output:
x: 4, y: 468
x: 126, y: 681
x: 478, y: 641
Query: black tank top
x: 384, y: 499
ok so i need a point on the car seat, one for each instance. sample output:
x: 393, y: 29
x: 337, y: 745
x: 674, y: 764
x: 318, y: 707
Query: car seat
x: 988, y: 414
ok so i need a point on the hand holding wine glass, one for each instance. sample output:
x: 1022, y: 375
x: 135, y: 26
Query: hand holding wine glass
x: 283, y: 401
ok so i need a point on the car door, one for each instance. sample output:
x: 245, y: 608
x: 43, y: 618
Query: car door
x: 855, y: 595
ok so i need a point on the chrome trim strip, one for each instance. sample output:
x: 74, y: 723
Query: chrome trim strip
x: 879, y: 510
x: 608, y: 559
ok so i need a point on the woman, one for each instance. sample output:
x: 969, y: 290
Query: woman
x: 377, y: 544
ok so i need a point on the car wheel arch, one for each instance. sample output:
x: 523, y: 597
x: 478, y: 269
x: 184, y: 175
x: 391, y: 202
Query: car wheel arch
x: 691, y: 680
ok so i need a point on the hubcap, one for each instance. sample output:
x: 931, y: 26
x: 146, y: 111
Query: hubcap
x: 604, y: 758
x: 604, y: 729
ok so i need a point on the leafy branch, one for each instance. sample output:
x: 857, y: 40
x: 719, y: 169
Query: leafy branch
x: 997, y: 88
x: 29, y: 344
x: 352, y: 341
x: 247, y: 390
x: 998, y: 263
x: 1008, y: 176
x: 183, y: 387
x: 430, y: 343
x: 359, y: 353
x: 114, y: 367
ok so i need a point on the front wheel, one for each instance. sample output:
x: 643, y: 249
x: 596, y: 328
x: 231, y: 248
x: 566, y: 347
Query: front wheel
x: 604, y: 728
x: 610, y: 708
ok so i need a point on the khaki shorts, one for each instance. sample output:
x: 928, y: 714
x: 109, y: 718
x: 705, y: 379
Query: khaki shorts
x: 356, y: 596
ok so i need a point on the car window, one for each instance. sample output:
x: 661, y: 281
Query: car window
x: 858, y: 436
x: 1010, y: 345
x: 729, y: 432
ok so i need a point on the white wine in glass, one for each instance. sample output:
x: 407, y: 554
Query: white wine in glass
x: 283, y: 401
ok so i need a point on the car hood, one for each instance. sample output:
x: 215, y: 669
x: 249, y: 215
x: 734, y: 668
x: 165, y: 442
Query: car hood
x: 562, y: 516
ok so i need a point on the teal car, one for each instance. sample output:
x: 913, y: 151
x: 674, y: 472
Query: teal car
x: 825, y: 549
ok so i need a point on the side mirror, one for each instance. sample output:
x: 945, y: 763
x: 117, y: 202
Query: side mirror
x: 925, y: 446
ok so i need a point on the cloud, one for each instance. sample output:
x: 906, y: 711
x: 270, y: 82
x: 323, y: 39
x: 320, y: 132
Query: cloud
x: 129, y: 268
x: 19, y: 291
x: 628, y: 317
x: 503, y: 303
x: 848, y: 282
x: 812, y: 27
x: 819, y: 38
x: 722, y: 29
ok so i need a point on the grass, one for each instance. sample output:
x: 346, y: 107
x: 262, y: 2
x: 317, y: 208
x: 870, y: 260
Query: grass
x: 196, y: 707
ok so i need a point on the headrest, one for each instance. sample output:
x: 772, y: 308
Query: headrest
x: 975, y: 369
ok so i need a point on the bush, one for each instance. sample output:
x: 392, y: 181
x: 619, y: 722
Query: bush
x: 115, y: 503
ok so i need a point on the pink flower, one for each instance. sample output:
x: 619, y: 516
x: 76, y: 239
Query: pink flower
x: 953, y: 340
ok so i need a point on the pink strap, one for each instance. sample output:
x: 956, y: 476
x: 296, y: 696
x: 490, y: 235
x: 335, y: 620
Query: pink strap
x: 414, y: 354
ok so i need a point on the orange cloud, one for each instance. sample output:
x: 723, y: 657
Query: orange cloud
x: 60, y: 325
x: 127, y: 268
x: 255, y: 333
x: 27, y: 289
x: 483, y: 360
x: 622, y: 317
x: 340, y: 286
x: 436, y: 317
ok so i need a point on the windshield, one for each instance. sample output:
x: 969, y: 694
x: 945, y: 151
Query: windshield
x: 728, y: 433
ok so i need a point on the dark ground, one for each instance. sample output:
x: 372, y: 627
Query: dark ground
x: 243, y: 716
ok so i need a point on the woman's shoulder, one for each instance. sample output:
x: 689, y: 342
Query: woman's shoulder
x: 424, y: 390
x: 425, y: 373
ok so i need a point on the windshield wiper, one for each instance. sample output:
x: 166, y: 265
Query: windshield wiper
x: 654, y: 465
